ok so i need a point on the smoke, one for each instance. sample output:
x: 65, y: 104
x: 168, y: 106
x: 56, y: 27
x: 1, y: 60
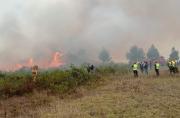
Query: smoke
x: 81, y: 28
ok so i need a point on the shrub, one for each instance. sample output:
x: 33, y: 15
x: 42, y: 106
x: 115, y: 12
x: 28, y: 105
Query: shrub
x: 120, y: 69
x: 15, y: 86
x: 55, y: 81
x: 63, y: 80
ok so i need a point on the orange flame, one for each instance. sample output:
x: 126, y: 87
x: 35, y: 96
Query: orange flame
x: 56, y: 61
x: 30, y: 62
x: 18, y: 66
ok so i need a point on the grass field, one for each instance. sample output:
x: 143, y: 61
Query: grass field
x: 112, y: 97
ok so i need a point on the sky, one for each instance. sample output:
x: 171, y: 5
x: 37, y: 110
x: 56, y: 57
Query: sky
x: 82, y: 28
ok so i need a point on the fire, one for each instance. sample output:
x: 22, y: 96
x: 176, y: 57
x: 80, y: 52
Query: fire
x: 55, y: 62
x: 30, y: 62
x: 18, y: 66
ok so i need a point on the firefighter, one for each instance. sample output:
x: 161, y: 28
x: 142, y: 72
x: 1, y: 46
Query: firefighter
x: 141, y: 67
x: 34, y: 70
x: 157, y: 67
x: 90, y: 68
x: 135, y: 69
x: 175, y: 68
x: 146, y: 67
x: 170, y: 66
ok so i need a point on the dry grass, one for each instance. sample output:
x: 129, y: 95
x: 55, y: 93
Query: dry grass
x: 133, y: 98
x: 26, y: 106
x: 116, y: 98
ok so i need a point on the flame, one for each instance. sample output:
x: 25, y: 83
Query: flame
x: 18, y: 66
x: 30, y: 62
x: 55, y: 62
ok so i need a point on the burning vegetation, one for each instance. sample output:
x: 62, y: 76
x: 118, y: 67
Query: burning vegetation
x: 55, y: 62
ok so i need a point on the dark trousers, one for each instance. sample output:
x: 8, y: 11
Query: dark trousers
x: 157, y: 72
x: 171, y: 70
x: 135, y: 73
x: 176, y: 70
x: 146, y: 70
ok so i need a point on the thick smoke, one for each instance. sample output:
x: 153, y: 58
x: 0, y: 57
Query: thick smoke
x: 81, y: 28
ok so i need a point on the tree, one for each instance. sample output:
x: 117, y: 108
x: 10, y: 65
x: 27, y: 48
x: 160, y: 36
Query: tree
x: 174, y: 54
x: 135, y: 54
x: 104, y: 56
x: 153, y: 53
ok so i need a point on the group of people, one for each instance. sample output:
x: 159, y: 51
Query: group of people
x: 145, y: 65
x: 172, y: 65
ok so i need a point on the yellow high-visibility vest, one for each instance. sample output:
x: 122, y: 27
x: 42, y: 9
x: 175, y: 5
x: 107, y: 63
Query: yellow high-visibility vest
x: 173, y: 63
x: 169, y: 63
x: 157, y: 66
x: 135, y: 66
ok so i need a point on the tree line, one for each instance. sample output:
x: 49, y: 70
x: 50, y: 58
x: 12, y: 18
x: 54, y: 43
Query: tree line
x: 138, y: 54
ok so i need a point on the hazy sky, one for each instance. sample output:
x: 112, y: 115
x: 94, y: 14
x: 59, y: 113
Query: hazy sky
x: 36, y: 28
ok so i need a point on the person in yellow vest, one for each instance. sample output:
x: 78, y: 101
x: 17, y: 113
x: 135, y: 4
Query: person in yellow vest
x: 135, y: 69
x: 174, y: 66
x: 170, y: 66
x: 173, y: 63
x: 157, y: 67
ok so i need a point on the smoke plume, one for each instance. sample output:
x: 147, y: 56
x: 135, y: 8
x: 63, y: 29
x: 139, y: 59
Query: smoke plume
x: 81, y: 28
